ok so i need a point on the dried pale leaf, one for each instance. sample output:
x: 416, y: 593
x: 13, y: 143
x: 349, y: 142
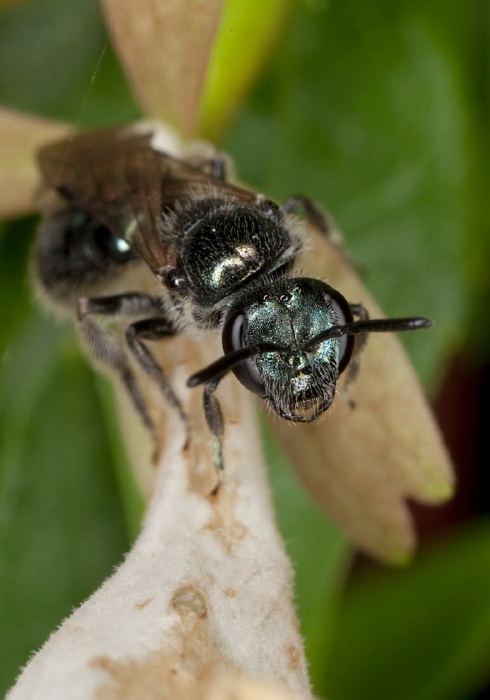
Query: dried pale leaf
x: 362, y: 464
x: 21, y: 135
x: 228, y: 686
x: 165, y: 47
x: 207, y: 587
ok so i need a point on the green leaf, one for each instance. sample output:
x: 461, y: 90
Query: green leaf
x: 56, y: 61
x: 14, y: 289
x: 249, y: 31
x: 423, y: 633
x: 62, y: 529
x: 364, y: 109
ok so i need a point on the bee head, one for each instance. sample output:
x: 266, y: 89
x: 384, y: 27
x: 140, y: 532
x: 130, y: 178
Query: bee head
x: 298, y: 381
x: 288, y: 340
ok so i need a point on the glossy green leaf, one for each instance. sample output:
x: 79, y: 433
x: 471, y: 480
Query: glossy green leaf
x: 423, y: 633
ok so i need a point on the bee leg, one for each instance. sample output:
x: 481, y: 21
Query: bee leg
x: 218, y: 168
x: 314, y: 213
x: 317, y: 217
x: 128, y: 304
x: 214, y: 419
x: 359, y: 345
x: 155, y: 329
x: 215, y: 166
x: 105, y: 350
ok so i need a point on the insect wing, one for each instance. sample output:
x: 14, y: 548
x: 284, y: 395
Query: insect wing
x: 125, y: 184
x: 115, y: 180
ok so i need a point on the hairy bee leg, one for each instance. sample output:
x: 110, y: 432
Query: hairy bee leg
x: 104, y: 349
x: 155, y: 329
x: 127, y: 304
x: 219, y: 168
x: 214, y: 419
x: 314, y: 213
x: 216, y: 167
x: 360, y: 341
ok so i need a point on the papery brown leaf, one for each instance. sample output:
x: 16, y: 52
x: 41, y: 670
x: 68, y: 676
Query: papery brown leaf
x: 165, y: 47
x: 21, y: 135
x: 361, y: 464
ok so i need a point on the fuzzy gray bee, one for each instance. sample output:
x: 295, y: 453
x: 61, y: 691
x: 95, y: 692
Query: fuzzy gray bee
x: 223, y: 256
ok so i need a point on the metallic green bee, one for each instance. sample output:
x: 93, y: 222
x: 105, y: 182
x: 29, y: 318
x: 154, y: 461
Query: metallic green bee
x: 223, y: 256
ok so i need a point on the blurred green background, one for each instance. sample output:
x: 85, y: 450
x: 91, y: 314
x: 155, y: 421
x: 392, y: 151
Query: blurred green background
x: 380, y: 111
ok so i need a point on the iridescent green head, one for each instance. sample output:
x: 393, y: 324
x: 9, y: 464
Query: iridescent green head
x: 298, y: 381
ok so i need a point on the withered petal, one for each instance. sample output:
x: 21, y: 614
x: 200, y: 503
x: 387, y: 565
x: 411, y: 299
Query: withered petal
x: 165, y: 47
x: 20, y: 137
x: 363, y: 463
x: 207, y: 587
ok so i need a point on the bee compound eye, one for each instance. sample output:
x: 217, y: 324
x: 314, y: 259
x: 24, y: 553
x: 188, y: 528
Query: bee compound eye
x: 235, y: 337
x: 342, y: 315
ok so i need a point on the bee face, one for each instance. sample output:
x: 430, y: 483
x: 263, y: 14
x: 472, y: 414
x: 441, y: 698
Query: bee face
x: 299, y: 383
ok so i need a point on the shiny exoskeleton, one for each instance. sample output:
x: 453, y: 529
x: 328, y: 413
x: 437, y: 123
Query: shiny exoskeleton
x: 224, y: 257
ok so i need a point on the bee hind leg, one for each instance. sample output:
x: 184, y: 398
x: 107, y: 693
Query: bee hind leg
x: 155, y: 329
x: 104, y: 348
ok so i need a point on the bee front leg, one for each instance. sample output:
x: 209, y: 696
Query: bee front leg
x: 214, y: 419
x: 314, y: 213
x: 359, y: 345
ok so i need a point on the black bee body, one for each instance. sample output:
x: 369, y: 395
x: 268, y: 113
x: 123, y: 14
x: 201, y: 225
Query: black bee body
x: 223, y: 258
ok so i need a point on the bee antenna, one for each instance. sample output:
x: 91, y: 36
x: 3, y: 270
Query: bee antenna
x: 217, y: 369
x: 375, y: 325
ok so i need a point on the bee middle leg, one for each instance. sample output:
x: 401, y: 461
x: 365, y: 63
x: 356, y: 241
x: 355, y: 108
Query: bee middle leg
x: 155, y: 329
x: 314, y: 213
x: 105, y: 349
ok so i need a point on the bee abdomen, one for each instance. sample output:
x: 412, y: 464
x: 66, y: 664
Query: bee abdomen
x: 73, y: 253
